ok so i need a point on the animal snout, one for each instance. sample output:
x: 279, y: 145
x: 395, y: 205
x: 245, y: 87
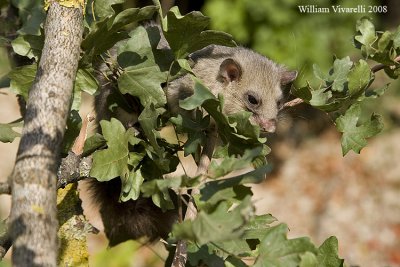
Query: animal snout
x: 268, y: 125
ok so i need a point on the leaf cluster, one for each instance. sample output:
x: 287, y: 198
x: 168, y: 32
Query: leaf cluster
x: 342, y: 91
x: 134, y: 61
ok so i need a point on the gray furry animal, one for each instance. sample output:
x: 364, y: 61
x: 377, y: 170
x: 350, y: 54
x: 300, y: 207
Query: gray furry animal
x: 246, y: 79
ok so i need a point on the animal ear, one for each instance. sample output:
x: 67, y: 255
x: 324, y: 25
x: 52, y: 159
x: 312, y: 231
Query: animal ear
x: 288, y: 77
x: 230, y: 71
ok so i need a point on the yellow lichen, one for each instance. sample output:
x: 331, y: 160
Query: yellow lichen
x: 38, y: 209
x: 73, y: 228
x: 67, y: 3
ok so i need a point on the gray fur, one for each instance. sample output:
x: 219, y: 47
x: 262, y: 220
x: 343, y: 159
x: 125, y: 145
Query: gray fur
x: 244, y: 73
x: 258, y: 74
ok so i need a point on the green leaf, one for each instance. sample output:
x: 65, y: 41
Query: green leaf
x: 309, y: 259
x: 203, y: 255
x: 180, y: 31
x: 244, y: 129
x: 119, y: 255
x: 22, y: 79
x: 131, y: 184
x: 368, y: 36
x: 28, y: 46
x: 375, y: 93
x: 86, y: 82
x: 235, y: 129
x: 222, y: 224
x: 233, y: 163
x: 320, y: 97
x: 113, y: 161
x: 158, y: 189
x: 214, y: 191
x: 195, y: 128
x: 92, y: 143
x: 256, y: 228
x: 32, y: 14
x: 107, y: 32
x: 103, y: 8
x: 384, y: 41
x: 302, y: 92
x: 184, y: 64
x: 7, y: 134
x: 319, y: 73
x: 337, y: 76
x: 354, y: 136
x: 148, y: 121
x: 396, y: 38
x: 144, y: 72
x: 200, y: 95
x: 328, y: 253
x: 276, y: 250
x: 341, y: 68
x: 76, y: 99
x: 359, y: 78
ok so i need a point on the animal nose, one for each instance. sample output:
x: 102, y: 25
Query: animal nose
x: 268, y: 125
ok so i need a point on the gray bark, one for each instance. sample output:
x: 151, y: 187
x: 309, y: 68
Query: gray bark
x: 33, y: 213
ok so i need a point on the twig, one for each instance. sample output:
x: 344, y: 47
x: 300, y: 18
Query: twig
x: 73, y: 168
x: 5, y: 238
x: 77, y: 148
x: 374, y: 69
x: 292, y: 103
x: 5, y: 188
x: 180, y: 256
x: 379, y: 67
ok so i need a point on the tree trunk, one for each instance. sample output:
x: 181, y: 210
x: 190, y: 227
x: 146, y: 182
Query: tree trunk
x: 33, y: 215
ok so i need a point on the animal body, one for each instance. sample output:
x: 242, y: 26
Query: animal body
x: 247, y: 80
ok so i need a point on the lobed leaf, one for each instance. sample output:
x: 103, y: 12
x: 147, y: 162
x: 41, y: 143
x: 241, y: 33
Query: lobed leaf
x: 359, y: 78
x: 85, y: 82
x: 354, y: 135
x: 144, y: 71
x: 180, y: 31
x: 7, y: 134
x: 367, y: 36
x: 28, y: 46
x: 105, y: 33
x: 276, y: 250
x: 221, y: 224
x: 328, y: 253
x: 131, y: 183
x: 113, y: 161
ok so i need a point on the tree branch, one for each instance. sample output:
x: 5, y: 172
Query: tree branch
x: 180, y: 256
x: 379, y: 67
x: 5, y: 188
x: 292, y: 103
x: 73, y: 168
x: 33, y: 215
x: 374, y: 69
x: 5, y: 238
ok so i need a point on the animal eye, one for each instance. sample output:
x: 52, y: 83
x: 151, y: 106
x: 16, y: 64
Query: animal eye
x: 252, y: 99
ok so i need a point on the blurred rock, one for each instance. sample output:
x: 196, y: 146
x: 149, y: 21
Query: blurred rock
x: 356, y: 198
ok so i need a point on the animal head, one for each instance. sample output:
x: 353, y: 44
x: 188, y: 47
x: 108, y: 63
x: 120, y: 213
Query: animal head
x: 253, y: 83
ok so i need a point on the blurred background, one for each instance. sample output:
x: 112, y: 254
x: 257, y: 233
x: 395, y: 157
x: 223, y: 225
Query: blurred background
x: 313, y: 189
